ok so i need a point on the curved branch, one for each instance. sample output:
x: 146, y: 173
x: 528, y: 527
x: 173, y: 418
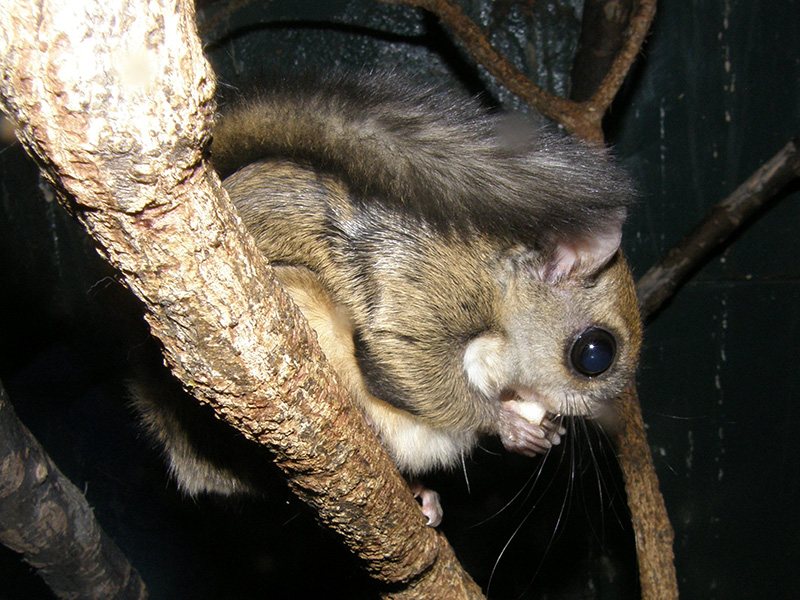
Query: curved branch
x: 603, y: 29
x: 478, y: 44
x: 121, y: 139
x: 583, y: 119
x: 638, y: 27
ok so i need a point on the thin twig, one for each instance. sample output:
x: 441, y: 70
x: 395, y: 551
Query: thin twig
x: 582, y: 119
x: 637, y: 32
x: 603, y: 34
x: 660, y: 283
x: 503, y: 70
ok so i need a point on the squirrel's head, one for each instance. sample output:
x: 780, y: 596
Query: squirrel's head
x: 570, y: 332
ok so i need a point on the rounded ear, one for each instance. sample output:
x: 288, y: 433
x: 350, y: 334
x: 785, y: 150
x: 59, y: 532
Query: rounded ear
x: 583, y: 256
x: 567, y: 255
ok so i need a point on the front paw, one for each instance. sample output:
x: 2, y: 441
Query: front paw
x: 530, y: 434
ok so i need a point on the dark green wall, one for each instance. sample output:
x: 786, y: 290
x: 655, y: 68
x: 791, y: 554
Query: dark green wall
x: 718, y: 95
x: 715, y: 94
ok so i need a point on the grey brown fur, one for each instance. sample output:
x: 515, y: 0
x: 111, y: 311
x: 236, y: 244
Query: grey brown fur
x: 446, y: 260
x: 430, y: 154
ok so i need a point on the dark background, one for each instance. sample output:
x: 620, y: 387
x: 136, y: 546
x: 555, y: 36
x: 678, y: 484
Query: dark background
x: 715, y: 94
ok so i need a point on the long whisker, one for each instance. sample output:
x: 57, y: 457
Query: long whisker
x: 464, y: 470
x: 524, y: 520
x: 595, y: 463
x: 529, y: 484
x: 612, y: 465
x: 531, y: 487
x: 565, y: 503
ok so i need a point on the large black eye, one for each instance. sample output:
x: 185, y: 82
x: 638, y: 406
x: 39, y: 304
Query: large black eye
x: 593, y: 352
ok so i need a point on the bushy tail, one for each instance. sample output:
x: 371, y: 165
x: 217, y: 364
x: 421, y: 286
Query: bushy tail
x: 433, y: 155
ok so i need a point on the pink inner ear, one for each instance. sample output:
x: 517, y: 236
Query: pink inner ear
x: 584, y: 256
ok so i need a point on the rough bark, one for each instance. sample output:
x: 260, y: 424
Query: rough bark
x: 653, y: 531
x: 115, y: 102
x: 44, y: 517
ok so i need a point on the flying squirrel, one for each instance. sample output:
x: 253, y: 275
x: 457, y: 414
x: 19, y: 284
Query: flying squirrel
x: 460, y: 267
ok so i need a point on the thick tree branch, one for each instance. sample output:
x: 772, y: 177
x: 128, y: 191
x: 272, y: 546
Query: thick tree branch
x: 659, y: 284
x: 47, y: 519
x: 115, y: 102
